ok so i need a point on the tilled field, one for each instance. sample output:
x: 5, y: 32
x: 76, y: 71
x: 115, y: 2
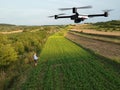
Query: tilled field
x: 63, y: 65
x: 107, y: 49
x: 115, y: 33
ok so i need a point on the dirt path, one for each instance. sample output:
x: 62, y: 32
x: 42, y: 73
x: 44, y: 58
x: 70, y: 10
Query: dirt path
x: 106, y: 49
x: 117, y: 33
x: 18, y: 31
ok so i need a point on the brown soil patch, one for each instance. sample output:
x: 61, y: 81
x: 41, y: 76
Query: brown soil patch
x: 116, y: 33
x: 107, y: 49
x: 18, y: 31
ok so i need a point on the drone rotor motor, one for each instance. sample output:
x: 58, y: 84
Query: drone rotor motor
x: 56, y: 16
x: 106, y: 14
x: 74, y: 10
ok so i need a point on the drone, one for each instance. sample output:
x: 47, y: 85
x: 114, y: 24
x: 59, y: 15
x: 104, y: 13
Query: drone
x: 78, y: 17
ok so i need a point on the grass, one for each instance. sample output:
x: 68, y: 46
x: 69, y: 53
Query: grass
x: 64, y: 65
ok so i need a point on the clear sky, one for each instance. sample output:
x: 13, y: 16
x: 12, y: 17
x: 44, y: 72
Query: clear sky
x: 35, y: 12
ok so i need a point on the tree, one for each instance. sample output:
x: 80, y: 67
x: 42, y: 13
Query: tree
x: 19, y: 47
x: 7, y: 55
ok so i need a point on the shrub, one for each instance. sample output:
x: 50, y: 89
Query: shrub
x: 7, y: 55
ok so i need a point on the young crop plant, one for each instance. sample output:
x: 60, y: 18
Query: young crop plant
x: 63, y: 65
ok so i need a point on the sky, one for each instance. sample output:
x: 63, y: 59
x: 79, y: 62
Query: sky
x: 36, y: 12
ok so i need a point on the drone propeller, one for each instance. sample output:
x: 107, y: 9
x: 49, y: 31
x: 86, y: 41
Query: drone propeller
x: 61, y: 14
x: 107, y: 10
x: 83, y: 15
x: 85, y: 7
x: 50, y: 16
x: 57, y: 15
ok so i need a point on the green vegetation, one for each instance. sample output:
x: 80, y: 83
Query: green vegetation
x: 64, y: 65
x: 16, y: 54
x: 16, y: 51
x: 113, y: 25
x: 8, y: 27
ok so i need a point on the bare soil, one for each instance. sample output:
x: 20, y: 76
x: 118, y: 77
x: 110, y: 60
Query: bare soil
x: 114, y: 33
x: 106, y: 49
x: 18, y: 31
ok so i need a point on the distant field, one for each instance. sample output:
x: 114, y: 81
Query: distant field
x: 110, y: 26
x: 11, y: 32
x: 64, y: 65
x: 87, y: 31
x: 113, y: 37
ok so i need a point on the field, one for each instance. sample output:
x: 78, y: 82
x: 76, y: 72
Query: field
x: 105, y: 46
x: 109, y: 26
x: 103, y: 38
x: 65, y: 62
x: 63, y: 65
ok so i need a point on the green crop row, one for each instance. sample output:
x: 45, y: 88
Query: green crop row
x: 64, y: 65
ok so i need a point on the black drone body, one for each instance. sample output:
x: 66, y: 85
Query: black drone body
x: 76, y: 17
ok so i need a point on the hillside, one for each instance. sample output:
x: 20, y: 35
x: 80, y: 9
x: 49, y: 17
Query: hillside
x: 8, y: 27
x: 113, y: 25
x: 2, y: 24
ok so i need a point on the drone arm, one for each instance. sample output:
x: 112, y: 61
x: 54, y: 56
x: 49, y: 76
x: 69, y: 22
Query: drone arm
x: 63, y: 17
x: 97, y: 15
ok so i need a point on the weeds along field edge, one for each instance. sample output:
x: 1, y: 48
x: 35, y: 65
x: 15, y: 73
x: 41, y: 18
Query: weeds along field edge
x: 64, y: 65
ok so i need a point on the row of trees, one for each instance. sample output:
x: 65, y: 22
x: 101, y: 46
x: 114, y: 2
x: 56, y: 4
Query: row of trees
x: 7, y: 51
x: 113, y: 25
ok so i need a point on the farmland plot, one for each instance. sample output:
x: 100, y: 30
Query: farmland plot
x: 64, y: 65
